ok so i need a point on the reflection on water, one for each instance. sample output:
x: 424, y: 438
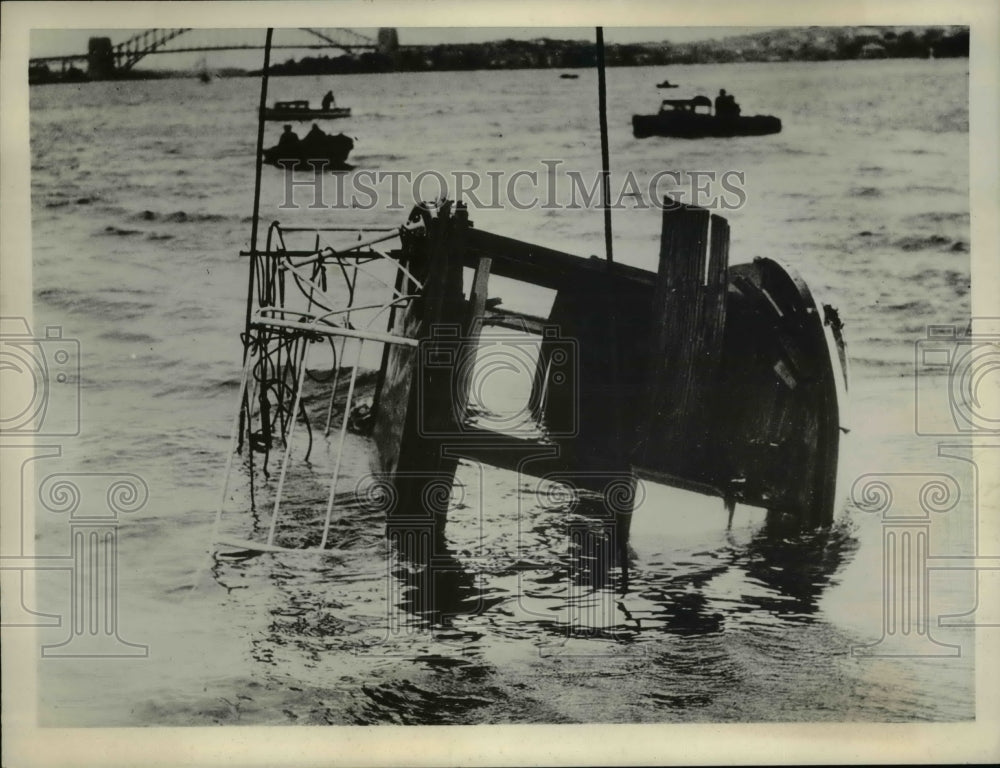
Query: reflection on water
x: 502, y: 566
x: 796, y: 568
x: 433, y: 585
x: 590, y: 587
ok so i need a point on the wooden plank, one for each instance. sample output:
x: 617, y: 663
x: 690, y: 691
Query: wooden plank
x: 469, y: 344
x: 426, y: 415
x: 717, y: 284
x: 477, y: 297
x: 676, y: 310
x: 516, y: 321
x: 544, y: 266
x: 705, y: 346
x: 394, y: 388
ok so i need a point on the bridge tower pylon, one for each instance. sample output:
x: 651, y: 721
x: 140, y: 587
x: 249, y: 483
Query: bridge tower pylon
x: 100, y: 58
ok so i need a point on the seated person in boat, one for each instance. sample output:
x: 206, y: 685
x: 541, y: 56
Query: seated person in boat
x: 328, y: 100
x: 289, y: 141
x: 315, y: 142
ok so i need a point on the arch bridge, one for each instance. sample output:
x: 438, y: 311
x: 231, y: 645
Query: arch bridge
x: 105, y: 60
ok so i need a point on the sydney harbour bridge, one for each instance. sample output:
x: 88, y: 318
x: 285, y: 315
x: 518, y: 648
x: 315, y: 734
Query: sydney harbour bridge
x: 106, y: 60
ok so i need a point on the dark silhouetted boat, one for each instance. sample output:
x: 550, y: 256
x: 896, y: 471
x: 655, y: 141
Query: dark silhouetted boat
x: 568, y: 76
x: 667, y: 84
x: 300, y: 110
x: 317, y: 150
x: 681, y: 119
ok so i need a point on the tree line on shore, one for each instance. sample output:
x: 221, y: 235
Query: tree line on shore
x: 789, y: 44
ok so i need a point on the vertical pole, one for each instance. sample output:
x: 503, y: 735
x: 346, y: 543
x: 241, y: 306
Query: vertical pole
x: 602, y: 104
x: 256, y: 214
x: 256, y: 189
x: 617, y: 449
x: 612, y: 335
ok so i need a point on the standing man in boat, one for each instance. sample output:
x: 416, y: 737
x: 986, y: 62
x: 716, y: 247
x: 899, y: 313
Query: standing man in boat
x: 722, y: 104
x: 328, y: 100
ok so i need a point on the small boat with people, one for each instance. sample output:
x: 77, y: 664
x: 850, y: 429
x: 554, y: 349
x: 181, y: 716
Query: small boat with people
x: 694, y: 119
x: 300, y: 110
x: 667, y: 84
x: 316, y: 149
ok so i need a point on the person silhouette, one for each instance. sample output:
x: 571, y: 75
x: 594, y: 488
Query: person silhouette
x: 328, y: 100
x: 289, y: 140
x: 732, y: 107
x: 722, y: 104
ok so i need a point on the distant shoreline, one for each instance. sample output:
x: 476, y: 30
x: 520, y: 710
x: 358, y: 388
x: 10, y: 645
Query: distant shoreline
x: 792, y: 44
x: 167, y: 74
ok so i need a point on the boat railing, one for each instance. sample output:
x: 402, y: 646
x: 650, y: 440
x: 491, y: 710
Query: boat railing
x: 303, y: 298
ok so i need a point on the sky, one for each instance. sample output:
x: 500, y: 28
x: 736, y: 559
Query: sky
x: 56, y: 42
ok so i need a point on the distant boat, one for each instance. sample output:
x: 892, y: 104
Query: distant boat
x: 300, y: 110
x: 681, y: 119
x: 203, y: 74
x: 667, y: 84
x: 568, y: 76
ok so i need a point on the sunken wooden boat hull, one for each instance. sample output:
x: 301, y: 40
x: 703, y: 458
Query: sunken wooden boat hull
x: 690, y: 125
x: 718, y: 379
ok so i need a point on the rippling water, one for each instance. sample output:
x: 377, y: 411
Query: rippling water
x: 141, y: 200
